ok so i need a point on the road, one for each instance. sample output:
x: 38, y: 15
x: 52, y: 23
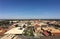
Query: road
x: 11, y: 36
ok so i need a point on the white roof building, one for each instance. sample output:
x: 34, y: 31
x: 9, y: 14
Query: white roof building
x: 15, y: 30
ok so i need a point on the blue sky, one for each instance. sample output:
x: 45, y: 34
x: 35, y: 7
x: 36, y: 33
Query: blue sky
x: 43, y: 9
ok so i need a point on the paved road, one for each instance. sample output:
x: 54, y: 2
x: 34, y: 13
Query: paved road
x: 50, y: 37
x: 24, y: 37
x: 10, y: 36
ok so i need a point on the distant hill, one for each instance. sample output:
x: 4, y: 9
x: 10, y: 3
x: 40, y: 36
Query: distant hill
x: 32, y: 19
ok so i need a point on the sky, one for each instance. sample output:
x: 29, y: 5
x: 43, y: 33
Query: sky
x: 17, y: 9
